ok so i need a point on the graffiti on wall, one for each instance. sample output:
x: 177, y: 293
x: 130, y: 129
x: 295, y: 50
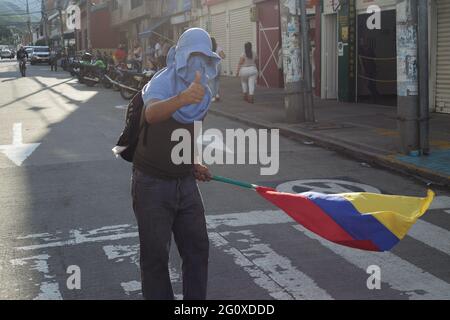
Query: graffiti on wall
x: 406, y: 50
x: 290, y: 39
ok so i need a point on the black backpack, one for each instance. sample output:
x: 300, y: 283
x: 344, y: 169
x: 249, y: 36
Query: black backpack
x: 128, y: 140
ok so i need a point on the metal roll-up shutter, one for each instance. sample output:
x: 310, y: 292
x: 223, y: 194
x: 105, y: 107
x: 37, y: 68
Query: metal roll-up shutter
x: 241, y: 31
x: 219, y: 32
x: 443, y: 57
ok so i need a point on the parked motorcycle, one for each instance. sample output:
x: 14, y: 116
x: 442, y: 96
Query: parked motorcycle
x: 92, y: 73
x: 114, y: 74
x: 131, y: 82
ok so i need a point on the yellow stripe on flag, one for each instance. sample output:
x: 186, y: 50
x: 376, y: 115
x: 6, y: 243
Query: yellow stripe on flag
x: 397, y: 213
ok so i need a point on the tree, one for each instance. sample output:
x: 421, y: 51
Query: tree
x: 5, y: 34
x: 40, y: 42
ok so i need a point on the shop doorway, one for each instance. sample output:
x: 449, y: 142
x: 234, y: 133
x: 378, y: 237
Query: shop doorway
x: 377, y: 61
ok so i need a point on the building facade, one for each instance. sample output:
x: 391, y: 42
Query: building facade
x: 232, y: 25
x: 440, y: 56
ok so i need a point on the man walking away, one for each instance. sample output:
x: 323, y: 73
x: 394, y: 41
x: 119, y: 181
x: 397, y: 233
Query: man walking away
x: 166, y: 198
x: 53, y: 60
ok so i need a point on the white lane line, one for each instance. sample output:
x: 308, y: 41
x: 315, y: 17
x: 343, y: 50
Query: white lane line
x: 279, y: 268
x: 257, y: 275
x: 130, y: 287
x: 433, y: 236
x: 117, y: 232
x: 17, y: 133
x: 48, y: 290
x: 440, y: 202
x: 118, y: 253
x: 399, y: 274
x: 250, y: 218
x: 108, y: 233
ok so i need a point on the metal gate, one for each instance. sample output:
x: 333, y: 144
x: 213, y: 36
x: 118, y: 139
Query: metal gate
x: 219, y: 32
x: 269, y: 44
x: 241, y: 31
x: 443, y: 57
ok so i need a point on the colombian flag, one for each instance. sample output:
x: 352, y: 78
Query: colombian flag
x: 366, y: 221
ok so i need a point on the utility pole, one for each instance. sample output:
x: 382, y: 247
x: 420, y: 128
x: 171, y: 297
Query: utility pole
x: 424, y: 112
x: 292, y: 63
x: 44, y: 21
x: 88, y: 24
x: 29, y: 23
x: 307, y: 76
x: 407, y: 76
x: 61, y: 24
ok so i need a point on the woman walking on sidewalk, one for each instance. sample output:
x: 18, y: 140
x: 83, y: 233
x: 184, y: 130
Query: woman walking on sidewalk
x: 248, y: 72
x: 214, y: 84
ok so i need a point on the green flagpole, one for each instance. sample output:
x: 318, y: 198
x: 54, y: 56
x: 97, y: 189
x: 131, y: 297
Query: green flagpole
x: 234, y: 182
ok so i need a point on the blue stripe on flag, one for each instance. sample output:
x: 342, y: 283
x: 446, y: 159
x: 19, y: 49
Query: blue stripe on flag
x: 360, y: 227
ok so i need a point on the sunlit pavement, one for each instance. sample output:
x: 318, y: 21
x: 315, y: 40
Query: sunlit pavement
x: 65, y: 201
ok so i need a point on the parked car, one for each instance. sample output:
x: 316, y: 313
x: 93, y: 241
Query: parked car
x: 6, y: 54
x: 40, y: 54
x: 29, y: 50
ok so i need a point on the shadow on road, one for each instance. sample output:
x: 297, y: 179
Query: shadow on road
x: 72, y: 181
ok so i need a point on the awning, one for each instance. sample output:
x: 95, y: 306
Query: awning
x: 156, y: 23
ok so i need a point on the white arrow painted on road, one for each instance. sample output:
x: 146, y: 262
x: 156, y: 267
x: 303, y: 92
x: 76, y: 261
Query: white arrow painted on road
x: 18, y: 151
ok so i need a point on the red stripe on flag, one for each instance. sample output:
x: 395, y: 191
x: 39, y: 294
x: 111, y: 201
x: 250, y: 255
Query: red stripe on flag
x: 312, y: 217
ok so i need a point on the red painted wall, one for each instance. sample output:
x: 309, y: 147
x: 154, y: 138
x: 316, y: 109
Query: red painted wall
x: 102, y: 35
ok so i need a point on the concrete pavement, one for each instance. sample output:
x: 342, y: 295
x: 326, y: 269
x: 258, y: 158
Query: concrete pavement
x: 68, y: 204
x: 364, y: 131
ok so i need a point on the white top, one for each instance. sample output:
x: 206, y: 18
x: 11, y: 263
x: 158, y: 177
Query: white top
x: 249, y: 62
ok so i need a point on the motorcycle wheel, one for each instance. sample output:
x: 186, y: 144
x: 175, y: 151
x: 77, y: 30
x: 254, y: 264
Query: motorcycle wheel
x: 107, y: 84
x: 89, y: 83
x: 126, y: 94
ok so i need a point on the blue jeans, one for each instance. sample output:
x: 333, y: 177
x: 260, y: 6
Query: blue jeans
x: 163, y: 207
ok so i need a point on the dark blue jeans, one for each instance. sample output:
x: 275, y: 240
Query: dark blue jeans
x: 163, y: 207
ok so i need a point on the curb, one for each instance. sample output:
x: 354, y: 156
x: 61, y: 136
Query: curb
x: 352, y: 150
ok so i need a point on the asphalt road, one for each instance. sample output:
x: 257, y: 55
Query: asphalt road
x: 65, y: 201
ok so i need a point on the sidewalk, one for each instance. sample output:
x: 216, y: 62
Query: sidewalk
x: 363, y: 131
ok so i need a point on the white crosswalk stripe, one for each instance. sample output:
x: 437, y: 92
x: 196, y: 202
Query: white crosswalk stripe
x: 231, y: 234
x: 396, y: 272
x: 433, y: 236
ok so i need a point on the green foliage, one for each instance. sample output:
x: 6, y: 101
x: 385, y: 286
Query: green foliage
x: 40, y: 42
